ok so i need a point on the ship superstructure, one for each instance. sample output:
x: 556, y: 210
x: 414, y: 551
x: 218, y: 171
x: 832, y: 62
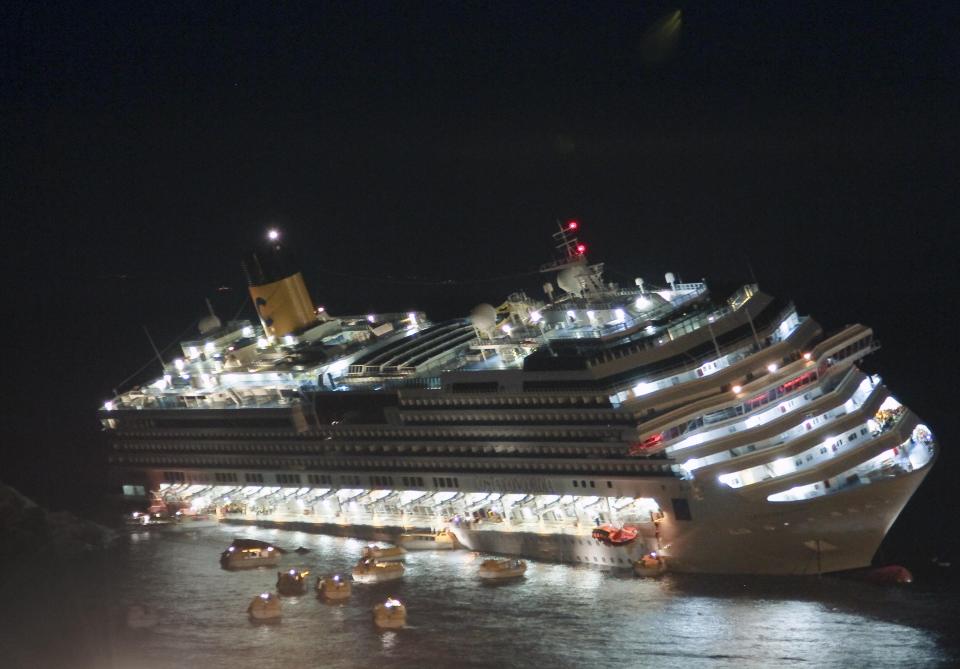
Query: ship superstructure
x: 729, y: 429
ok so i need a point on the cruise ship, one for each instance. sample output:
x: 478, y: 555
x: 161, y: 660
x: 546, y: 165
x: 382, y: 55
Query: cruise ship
x: 727, y: 432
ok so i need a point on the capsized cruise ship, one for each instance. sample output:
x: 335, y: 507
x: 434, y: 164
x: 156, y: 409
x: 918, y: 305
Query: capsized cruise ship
x: 728, y: 430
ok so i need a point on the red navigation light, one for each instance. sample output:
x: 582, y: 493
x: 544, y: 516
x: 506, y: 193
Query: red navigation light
x: 581, y: 249
x: 572, y: 225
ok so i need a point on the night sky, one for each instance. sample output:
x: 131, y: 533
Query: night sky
x: 418, y: 154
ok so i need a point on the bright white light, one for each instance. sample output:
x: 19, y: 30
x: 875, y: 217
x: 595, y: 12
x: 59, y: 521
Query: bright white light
x: 273, y: 234
x: 644, y: 388
x: 535, y: 316
x: 772, y: 367
x: 506, y: 329
x: 412, y: 317
x: 642, y: 302
x: 209, y: 347
x: 108, y: 405
x: 782, y: 466
x: 320, y: 310
x: 193, y: 351
x: 179, y: 364
x: 620, y: 314
x: 247, y: 331
x: 807, y: 356
x: 737, y: 389
x: 591, y: 315
x: 262, y: 342
x: 571, y: 314
x: 289, y: 340
x: 371, y: 318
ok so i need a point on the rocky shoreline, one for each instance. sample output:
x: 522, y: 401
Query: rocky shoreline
x: 29, y: 528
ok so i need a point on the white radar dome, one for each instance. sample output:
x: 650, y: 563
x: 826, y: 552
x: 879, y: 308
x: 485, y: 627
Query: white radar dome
x: 570, y: 279
x: 483, y: 316
x: 209, y: 324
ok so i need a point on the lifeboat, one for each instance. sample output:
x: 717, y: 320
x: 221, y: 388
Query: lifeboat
x: 502, y: 569
x: 391, y: 614
x: 248, y: 554
x: 615, y: 536
x: 384, y: 554
x: 371, y: 571
x: 334, y: 588
x: 264, y: 608
x: 650, y: 565
x: 292, y: 582
x: 440, y: 541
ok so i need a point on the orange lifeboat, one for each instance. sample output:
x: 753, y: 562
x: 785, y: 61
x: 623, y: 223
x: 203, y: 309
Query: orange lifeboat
x: 615, y: 536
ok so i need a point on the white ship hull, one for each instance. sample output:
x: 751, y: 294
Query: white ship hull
x: 733, y: 538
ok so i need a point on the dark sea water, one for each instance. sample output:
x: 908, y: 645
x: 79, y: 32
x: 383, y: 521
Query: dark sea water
x: 72, y: 613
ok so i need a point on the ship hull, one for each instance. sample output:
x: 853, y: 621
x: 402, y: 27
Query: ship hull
x: 729, y: 536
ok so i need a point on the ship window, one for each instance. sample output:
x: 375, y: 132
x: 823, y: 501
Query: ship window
x: 574, y: 484
x: 852, y: 436
x: 609, y: 484
x: 583, y: 484
x: 456, y: 482
x: 593, y: 484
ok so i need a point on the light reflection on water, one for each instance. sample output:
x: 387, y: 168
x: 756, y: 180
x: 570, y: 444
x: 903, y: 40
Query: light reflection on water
x: 557, y: 616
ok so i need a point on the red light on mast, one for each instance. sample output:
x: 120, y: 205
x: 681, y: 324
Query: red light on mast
x: 572, y: 225
x: 581, y: 249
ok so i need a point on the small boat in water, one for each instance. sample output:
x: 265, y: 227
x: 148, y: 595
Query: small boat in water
x: 502, y: 569
x: 248, y: 554
x: 370, y: 571
x: 264, y: 608
x: 292, y: 582
x: 391, y: 614
x: 139, y: 520
x: 334, y: 588
x: 384, y: 553
x: 184, y: 520
x: 615, y: 536
x: 424, y: 541
x: 650, y: 565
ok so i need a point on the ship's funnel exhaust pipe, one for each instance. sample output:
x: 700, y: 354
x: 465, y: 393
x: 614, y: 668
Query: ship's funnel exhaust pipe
x: 277, y: 289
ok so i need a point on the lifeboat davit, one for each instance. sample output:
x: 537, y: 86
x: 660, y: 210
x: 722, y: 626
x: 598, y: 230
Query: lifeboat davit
x: 615, y: 536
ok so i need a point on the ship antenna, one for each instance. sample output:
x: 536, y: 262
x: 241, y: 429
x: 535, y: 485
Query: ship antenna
x: 154, y: 346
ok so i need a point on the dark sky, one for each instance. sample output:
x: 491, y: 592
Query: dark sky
x: 145, y: 148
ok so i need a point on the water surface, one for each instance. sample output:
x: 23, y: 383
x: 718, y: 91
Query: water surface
x: 73, y: 614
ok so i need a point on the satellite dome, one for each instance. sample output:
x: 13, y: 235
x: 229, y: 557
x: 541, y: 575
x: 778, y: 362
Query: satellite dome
x: 209, y: 323
x: 569, y: 279
x: 483, y: 316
